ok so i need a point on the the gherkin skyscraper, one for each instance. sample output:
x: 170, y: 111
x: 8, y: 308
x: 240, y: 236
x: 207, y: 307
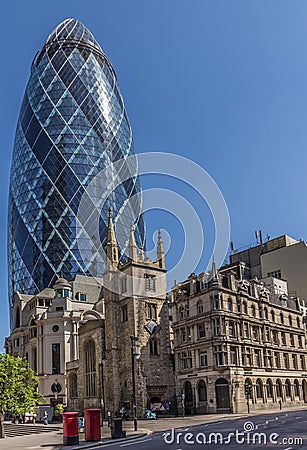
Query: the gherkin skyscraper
x: 72, y: 124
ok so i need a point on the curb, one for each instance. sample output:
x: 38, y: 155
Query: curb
x: 104, y: 442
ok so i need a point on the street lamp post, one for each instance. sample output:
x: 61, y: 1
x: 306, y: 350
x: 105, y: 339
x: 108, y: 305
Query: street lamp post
x: 133, y: 339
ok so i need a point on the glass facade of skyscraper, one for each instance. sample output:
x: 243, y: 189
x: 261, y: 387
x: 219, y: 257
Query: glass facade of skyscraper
x: 72, y: 124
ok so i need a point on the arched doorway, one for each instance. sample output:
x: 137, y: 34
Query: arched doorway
x: 188, y: 392
x: 222, y: 395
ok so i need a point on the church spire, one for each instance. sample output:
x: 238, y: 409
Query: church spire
x: 111, y: 247
x: 132, y: 248
x: 160, y: 251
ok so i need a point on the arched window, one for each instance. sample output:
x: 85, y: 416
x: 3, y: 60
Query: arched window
x: 245, y: 307
x: 269, y: 388
x: 90, y: 369
x: 73, y: 385
x: 296, y: 388
x: 288, y: 388
x: 259, y: 388
x: 278, y: 388
x: 153, y: 346
x: 281, y: 318
x: 202, y: 391
x: 17, y: 317
x: 290, y: 320
x: 253, y: 310
x: 229, y: 303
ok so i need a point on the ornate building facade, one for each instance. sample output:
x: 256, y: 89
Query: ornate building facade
x: 237, y: 340
x: 45, y: 330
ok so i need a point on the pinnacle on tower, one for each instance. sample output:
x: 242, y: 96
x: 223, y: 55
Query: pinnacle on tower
x: 160, y: 251
x: 111, y: 248
x: 132, y: 248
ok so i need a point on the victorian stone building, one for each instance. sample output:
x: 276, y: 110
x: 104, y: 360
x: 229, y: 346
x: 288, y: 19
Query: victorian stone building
x: 45, y: 330
x: 232, y: 332
x: 135, y: 332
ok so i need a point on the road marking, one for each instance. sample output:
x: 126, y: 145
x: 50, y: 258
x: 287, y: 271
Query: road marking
x: 135, y: 442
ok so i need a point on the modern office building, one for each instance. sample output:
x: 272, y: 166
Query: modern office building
x: 239, y: 343
x: 283, y: 258
x: 72, y: 125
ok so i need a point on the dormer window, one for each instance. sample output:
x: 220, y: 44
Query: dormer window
x: 81, y: 296
x: 62, y: 293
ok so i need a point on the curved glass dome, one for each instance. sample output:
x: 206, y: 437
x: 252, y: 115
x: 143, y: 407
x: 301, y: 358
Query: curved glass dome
x: 72, y: 124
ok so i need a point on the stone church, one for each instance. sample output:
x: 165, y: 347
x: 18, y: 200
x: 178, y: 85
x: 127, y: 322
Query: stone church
x: 131, y: 340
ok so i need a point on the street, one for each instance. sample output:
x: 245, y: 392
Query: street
x: 283, y: 430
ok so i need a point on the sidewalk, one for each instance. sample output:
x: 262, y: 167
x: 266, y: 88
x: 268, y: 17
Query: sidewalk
x: 53, y: 440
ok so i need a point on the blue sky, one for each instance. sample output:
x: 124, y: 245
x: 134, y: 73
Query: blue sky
x: 220, y: 82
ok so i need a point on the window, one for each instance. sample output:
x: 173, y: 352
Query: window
x: 81, y: 297
x: 267, y: 334
x: 201, y: 330
x: 202, y: 391
x: 255, y: 331
x: 253, y: 310
x: 300, y: 341
x: 245, y: 308
x: 288, y: 388
x: 125, y: 313
x: 259, y: 388
x: 203, y: 359
x: 150, y: 282
x: 286, y: 360
x: 73, y: 385
x: 275, y: 337
x: 294, y: 362
x: 233, y: 355
x: 219, y: 355
x: 34, y: 359
x: 187, y: 311
x: 229, y: 303
x: 151, y: 311
x: 181, y: 312
x: 246, y: 330
x: 232, y: 329
x: 16, y: 342
x: 216, y: 302
x: 282, y: 318
x: 290, y: 321
x: 260, y: 312
x: 183, y: 335
x: 186, y: 360
x: 239, y: 306
x: 47, y: 302
x: 291, y: 340
x: 269, y: 388
x: 247, y: 356
x: 17, y: 317
x: 41, y: 302
x: 257, y: 358
x: 153, y: 347
x: 275, y: 274
x: 283, y: 338
x: 277, y: 360
x: 56, y: 358
x: 123, y: 285
x: 267, y: 358
x: 90, y: 369
x: 298, y: 322
x: 200, y: 308
x: 273, y: 315
x: 302, y: 360
x: 216, y: 327
x: 266, y: 314
x: 296, y: 388
x: 278, y: 389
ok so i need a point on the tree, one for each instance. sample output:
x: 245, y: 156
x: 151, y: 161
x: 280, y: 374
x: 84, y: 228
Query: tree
x: 18, y: 387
